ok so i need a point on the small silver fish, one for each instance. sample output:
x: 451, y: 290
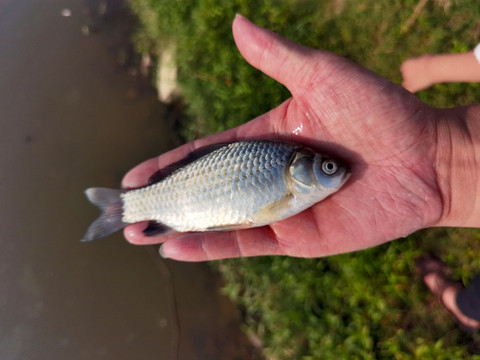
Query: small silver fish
x: 222, y: 187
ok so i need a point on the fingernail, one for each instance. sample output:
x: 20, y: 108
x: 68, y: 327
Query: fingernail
x: 160, y: 251
x: 239, y: 16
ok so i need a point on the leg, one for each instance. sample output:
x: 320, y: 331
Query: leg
x: 436, y: 276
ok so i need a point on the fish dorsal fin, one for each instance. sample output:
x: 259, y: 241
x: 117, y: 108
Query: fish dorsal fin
x: 191, y: 157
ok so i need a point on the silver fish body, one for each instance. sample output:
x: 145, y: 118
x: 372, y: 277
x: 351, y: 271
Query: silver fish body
x: 230, y: 186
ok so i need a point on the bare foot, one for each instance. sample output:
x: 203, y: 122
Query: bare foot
x: 436, y: 276
x: 448, y: 296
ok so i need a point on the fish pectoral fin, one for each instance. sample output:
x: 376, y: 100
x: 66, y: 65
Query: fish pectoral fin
x: 230, y: 227
x: 156, y: 228
x: 274, y: 211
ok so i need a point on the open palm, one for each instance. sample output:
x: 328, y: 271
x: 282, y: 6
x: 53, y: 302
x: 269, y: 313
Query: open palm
x: 384, y: 133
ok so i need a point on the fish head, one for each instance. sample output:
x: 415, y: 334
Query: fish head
x: 316, y: 175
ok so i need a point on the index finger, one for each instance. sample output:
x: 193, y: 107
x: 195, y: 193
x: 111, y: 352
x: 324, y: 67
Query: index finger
x: 269, y: 125
x: 139, y: 175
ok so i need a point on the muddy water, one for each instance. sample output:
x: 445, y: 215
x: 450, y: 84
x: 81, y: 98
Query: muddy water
x: 71, y: 118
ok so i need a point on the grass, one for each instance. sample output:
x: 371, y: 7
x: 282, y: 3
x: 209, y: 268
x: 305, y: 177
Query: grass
x: 365, y: 305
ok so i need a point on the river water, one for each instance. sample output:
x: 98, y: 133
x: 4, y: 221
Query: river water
x: 72, y: 117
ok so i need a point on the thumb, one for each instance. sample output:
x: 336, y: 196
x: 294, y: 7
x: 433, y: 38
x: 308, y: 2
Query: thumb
x: 279, y: 58
x: 299, y: 68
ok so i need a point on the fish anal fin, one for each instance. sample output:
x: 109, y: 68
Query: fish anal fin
x: 156, y: 228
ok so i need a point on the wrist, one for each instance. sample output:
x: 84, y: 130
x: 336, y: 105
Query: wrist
x: 456, y: 164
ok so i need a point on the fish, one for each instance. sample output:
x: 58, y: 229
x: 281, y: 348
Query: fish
x: 222, y: 187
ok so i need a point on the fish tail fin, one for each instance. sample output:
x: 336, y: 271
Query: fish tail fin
x: 110, y: 204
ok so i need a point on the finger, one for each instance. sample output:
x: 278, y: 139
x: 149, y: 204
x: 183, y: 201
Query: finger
x: 277, y: 57
x: 299, y: 236
x: 221, y: 245
x: 267, y: 125
x: 139, y: 175
x: 302, y: 69
x: 134, y: 234
x: 289, y: 63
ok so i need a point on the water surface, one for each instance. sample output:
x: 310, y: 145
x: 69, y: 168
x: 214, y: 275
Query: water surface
x: 71, y: 118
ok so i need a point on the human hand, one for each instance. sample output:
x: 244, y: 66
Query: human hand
x: 387, y: 135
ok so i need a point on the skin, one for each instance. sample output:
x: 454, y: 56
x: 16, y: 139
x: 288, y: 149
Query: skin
x: 406, y: 173
x: 424, y: 71
x: 418, y: 74
x: 449, y: 298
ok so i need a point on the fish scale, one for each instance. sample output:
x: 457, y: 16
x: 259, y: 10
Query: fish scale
x: 188, y: 200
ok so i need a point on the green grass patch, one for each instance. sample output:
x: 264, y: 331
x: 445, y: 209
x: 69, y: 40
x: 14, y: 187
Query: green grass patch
x: 364, y: 305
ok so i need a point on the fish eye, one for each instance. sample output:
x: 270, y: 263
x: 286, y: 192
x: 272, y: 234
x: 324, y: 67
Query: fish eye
x: 329, y: 167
